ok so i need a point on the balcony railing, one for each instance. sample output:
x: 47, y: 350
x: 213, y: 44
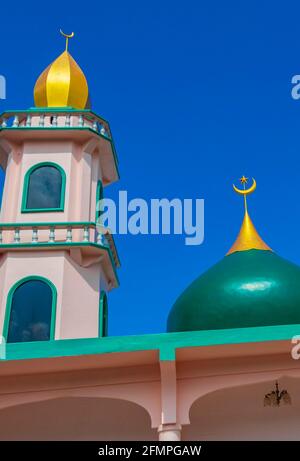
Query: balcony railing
x: 60, y: 233
x: 55, y: 119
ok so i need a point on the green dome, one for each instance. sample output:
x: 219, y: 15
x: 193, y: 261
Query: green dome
x: 245, y: 289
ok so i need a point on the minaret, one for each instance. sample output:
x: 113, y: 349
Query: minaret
x: 56, y: 265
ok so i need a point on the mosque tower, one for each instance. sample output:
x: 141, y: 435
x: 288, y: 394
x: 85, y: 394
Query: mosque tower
x: 56, y: 264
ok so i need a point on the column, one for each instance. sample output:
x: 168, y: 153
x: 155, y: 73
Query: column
x: 169, y: 433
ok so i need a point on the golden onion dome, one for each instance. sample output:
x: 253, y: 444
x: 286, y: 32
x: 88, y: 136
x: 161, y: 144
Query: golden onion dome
x: 62, y: 83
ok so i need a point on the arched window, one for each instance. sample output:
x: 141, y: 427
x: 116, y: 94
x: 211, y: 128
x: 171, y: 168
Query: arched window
x: 30, y: 312
x: 103, y: 315
x: 44, y: 188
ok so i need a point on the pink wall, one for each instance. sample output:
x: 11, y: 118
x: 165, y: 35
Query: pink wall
x: 77, y: 314
x: 82, y: 171
x: 210, y: 399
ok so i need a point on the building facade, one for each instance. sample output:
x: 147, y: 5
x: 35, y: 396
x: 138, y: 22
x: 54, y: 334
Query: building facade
x: 212, y: 376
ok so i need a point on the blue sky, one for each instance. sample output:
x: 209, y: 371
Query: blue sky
x: 197, y: 94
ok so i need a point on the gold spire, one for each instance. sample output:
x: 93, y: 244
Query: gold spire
x: 248, y: 238
x: 62, y: 83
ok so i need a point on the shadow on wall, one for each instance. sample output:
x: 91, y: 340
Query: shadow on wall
x: 238, y: 413
x: 76, y: 419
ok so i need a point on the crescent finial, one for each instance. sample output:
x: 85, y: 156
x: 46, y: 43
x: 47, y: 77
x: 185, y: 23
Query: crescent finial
x: 245, y: 191
x: 67, y: 36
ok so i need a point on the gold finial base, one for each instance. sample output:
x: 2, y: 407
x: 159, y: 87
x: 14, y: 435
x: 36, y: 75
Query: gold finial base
x: 248, y: 238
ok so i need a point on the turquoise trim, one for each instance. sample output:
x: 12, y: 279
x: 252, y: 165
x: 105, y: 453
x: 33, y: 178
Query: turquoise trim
x: 66, y: 109
x: 28, y: 173
x: 47, y: 225
x: 165, y: 343
x: 10, y: 298
x: 103, y: 315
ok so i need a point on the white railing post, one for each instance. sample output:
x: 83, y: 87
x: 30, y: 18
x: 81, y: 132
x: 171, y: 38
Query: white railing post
x: 80, y: 121
x: 16, y: 122
x: 1, y: 237
x: 28, y: 121
x: 17, y: 235
x: 68, y: 120
x: 54, y: 120
x: 69, y: 235
x: 86, y: 234
x: 51, y: 235
x: 42, y: 121
x: 34, y: 235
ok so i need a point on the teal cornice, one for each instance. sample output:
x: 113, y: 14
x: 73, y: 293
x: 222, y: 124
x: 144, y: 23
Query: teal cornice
x: 58, y: 224
x: 165, y: 343
x: 64, y: 110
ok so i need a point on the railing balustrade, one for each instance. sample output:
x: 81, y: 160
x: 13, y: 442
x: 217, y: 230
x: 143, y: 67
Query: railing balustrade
x: 48, y: 233
x: 60, y: 233
x: 51, y: 119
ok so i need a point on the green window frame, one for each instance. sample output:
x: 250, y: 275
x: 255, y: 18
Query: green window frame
x: 24, y: 208
x: 99, y: 196
x: 10, y: 299
x: 103, y: 315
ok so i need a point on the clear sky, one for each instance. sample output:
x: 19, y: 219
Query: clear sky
x: 197, y: 94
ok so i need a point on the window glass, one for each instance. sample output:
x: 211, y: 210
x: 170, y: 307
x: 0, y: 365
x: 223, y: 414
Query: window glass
x: 30, y: 313
x: 44, y: 188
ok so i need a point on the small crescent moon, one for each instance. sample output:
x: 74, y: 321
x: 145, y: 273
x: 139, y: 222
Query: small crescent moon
x: 67, y: 35
x: 246, y: 191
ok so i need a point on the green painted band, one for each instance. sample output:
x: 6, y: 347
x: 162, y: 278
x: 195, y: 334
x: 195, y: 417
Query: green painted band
x: 165, y: 343
x: 42, y: 110
x: 46, y: 225
x: 55, y: 128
